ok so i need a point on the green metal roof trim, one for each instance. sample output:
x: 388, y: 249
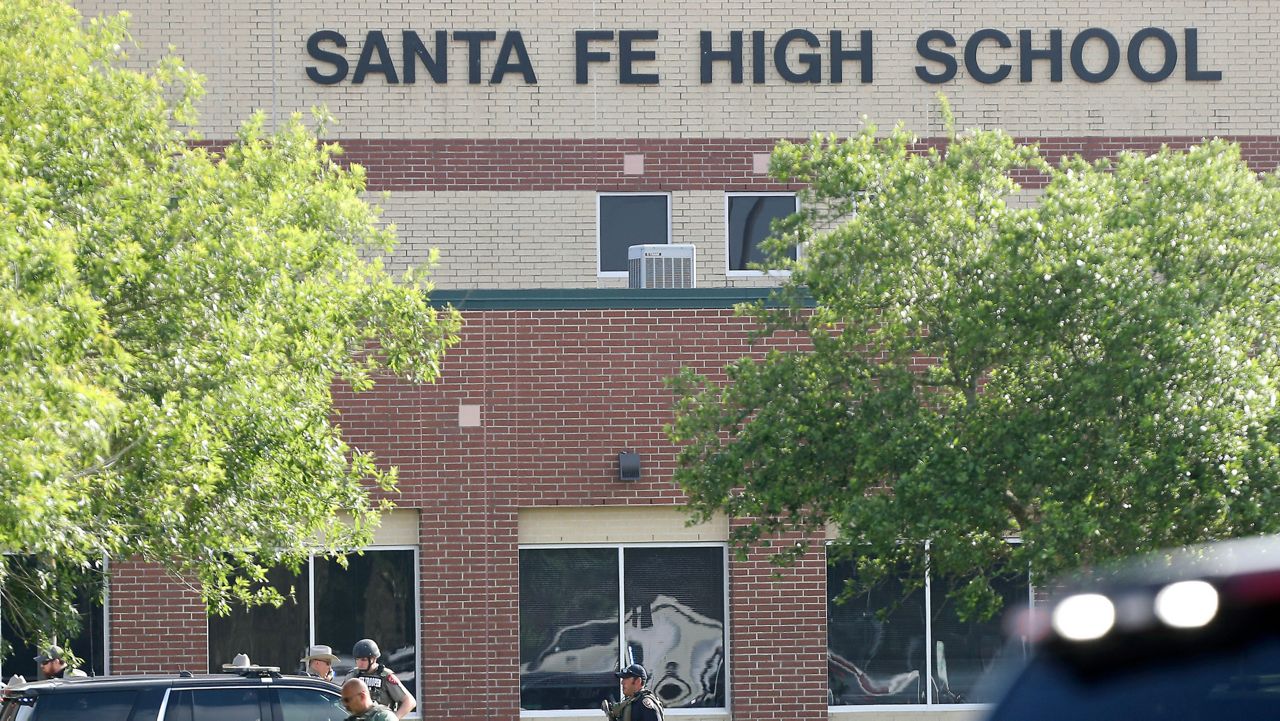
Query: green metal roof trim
x: 575, y: 298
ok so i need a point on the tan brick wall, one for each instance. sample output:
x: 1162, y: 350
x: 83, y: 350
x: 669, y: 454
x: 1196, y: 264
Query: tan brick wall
x: 232, y: 43
x: 539, y: 240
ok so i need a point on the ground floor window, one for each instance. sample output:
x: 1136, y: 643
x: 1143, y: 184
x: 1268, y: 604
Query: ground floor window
x: 893, y: 646
x: 587, y: 610
x: 90, y: 645
x: 374, y: 597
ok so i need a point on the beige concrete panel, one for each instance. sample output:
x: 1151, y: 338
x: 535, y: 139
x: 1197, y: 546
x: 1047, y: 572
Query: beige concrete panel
x: 616, y: 524
x: 254, y: 54
x: 399, y: 527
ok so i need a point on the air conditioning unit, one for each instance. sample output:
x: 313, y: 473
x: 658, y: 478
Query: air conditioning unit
x: 660, y: 266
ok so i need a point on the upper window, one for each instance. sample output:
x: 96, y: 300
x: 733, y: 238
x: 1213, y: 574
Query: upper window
x: 627, y: 219
x: 660, y: 606
x: 374, y: 597
x: 750, y: 217
x: 891, y: 647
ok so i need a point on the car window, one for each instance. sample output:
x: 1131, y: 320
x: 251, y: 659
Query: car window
x: 304, y: 704
x: 14, y: 710
x: 100, y: 706
x: 218, y: 704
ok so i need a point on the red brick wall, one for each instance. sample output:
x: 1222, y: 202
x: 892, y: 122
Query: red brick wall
x: 157, y: 623
x: 669, y: 163
x: 562, y: 392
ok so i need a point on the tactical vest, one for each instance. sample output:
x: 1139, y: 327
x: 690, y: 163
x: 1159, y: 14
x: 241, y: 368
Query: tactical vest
x: 377, y: 683
x: 621, y: 711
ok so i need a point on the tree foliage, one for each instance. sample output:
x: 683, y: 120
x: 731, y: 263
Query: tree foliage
x: 1092, y: 369
x: 171, y: 323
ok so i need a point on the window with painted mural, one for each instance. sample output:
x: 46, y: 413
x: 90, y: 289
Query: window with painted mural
x: 374, y: 597
x: 585, y: 611
x: 898, y: 646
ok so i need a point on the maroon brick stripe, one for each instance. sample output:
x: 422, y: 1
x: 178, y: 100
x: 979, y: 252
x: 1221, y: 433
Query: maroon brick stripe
x: 669, y: 163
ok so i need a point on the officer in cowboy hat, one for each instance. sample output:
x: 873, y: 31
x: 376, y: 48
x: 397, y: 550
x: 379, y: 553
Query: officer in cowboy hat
x: 319, y: 660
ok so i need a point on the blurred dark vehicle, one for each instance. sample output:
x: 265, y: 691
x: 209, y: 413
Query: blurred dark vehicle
x: 1188, y: 635
x: 253, y: 694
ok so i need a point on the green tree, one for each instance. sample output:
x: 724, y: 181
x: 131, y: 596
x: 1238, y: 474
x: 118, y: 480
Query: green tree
x: 1092, y: 369
x: 172, y: 322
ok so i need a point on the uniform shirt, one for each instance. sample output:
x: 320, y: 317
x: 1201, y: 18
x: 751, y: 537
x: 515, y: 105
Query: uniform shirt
x: 66, y: 672
x: 643, y: 707
x: 384, y: 686
x: 377, y: 712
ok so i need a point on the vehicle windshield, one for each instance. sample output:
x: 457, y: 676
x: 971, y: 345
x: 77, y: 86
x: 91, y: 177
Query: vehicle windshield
x: 1235, y: 684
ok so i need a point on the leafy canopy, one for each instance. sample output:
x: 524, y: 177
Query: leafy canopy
x: 1092, y: 369
x: 171, y: 324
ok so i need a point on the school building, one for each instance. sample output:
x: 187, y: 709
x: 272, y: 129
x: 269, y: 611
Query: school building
x: 538, y: 540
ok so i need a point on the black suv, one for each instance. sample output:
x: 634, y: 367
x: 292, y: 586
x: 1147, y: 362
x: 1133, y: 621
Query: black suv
x: 254, y: 694
x: 1191, y: 635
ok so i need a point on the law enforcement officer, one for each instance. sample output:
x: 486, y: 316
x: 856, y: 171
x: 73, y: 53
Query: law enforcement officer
x: 355, y: 698
x: 384, y: 687
x: 51, y: 664
x: 638, y: 703
x: 319, y: 660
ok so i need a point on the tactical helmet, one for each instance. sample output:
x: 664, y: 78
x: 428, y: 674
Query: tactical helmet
x: 366, y: 648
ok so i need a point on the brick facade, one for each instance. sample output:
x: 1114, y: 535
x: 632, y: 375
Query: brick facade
x: 503, y: 178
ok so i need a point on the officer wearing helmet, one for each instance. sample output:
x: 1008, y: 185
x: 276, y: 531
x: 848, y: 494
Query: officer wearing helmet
x: 384, y: 686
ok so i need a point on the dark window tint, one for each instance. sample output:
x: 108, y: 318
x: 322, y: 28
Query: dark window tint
x: 568, y: 627
x: 300, y: 704
x: 750, y: 217
x: 627, y: 220
x: 219, y: 704
x: 270, y: 636
x: 99, y: 706
x: 374, y: 597
x: 674, y: 622
x: 875, y: 643
x: 965, y: 651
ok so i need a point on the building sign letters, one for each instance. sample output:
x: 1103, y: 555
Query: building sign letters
x: 989, y: 56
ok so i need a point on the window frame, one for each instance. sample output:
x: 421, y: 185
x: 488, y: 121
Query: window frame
x: 748, y: 272
x: 930, y: 705
x: 622, y: 622
x: 600, y: 272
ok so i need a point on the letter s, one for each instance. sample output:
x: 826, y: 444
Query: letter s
x: 335, y: 59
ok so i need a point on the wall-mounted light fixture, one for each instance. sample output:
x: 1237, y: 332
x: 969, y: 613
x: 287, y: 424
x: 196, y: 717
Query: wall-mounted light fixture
x: 628, y: 466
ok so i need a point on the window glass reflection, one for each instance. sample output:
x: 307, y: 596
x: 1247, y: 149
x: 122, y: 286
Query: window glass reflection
x: 271, y: 636
x: 568, y: 627
x: 964, y: 651
x: 750, y: 218
x: 374, y: 597
x: 874, y: 656
x: 674, y: 600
